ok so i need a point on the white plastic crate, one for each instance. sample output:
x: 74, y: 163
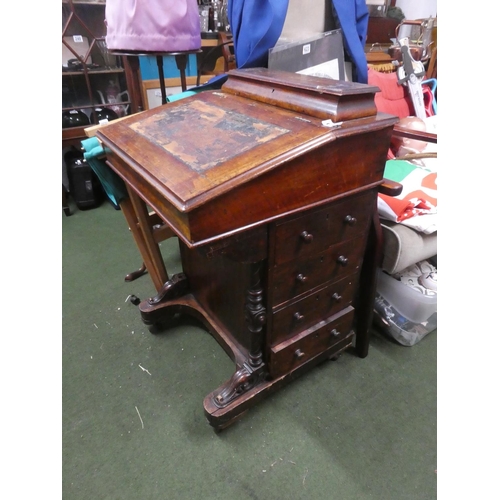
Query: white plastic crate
x: 405, y: 314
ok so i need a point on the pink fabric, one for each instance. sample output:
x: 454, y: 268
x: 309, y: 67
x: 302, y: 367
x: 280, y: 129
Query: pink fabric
x: 153, y: 25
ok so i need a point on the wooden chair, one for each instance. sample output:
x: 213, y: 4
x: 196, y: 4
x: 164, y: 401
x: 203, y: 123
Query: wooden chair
x: 432, y: 65
x: 219, y: 59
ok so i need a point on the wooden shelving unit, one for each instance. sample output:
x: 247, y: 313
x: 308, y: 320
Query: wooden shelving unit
x: 89, y: 70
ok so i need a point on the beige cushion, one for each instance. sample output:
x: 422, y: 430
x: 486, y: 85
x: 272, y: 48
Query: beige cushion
x: 404, y: 246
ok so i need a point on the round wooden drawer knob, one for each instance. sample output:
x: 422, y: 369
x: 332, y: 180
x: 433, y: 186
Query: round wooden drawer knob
x: 342, y: 261
x: 299, y: 354
x: 307, y: 237
x: 351, y: 221
x: 298, y: 316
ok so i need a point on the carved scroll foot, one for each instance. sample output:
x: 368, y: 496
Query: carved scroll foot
x: 164, y: 305
x: 173, y: 288
x: 252, y: 372
x: 242, y: 381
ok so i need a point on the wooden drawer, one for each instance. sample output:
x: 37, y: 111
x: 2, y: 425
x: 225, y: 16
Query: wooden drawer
x: 304, y: 313
x: 317, y: 230
x: 292, y: 353
x: 303, y: 275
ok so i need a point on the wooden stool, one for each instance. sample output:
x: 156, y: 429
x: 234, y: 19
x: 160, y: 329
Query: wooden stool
x: 133, y: 70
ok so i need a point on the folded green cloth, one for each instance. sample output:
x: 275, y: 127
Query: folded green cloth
x: 91, y: 143
x: 113, y: 185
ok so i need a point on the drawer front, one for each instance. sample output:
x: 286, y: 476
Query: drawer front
x: 317, y: 230
x: 292, y: 353
x: 304, y: 313
x: 300, y: 276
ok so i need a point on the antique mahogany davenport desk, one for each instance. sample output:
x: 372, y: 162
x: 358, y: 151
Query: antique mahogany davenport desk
x: 274, y: 210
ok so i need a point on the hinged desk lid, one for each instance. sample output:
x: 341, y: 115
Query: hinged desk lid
x: 198, y: 148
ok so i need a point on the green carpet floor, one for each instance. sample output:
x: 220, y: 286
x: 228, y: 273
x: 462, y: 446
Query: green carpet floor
x: 133, y: 426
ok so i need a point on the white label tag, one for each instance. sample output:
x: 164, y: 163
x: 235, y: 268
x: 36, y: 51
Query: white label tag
x: 329, y: 123
x: 78, y: 38
x: 306, y: 49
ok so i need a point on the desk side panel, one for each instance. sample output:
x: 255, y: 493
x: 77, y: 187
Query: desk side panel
x: 174, y: 218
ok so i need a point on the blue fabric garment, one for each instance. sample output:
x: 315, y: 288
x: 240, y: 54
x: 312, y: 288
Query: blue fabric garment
x: 353, y: 17
x: 214, y: 83
x: 257, y: 24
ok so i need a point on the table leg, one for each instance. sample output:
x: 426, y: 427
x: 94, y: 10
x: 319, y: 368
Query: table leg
x: 181, y: 61
x: 65, y: 204
x: 137, y: 216
x: 134, y: 82
x: 161, y: 76
x: 368, y: 285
